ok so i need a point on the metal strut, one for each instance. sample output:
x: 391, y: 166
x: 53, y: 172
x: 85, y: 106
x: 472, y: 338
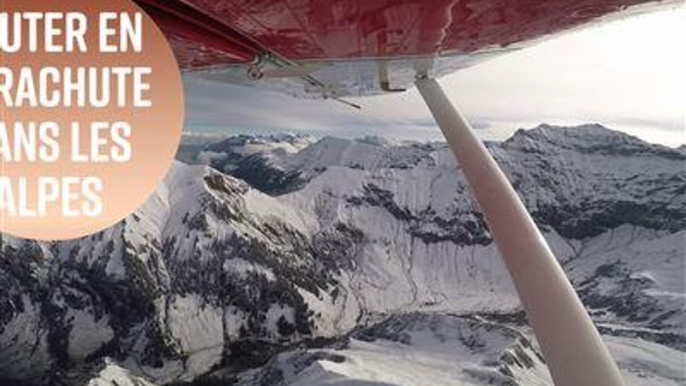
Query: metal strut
x: 573, y: 348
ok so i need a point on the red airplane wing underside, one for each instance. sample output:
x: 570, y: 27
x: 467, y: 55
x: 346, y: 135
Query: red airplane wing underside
x: 337, y: 48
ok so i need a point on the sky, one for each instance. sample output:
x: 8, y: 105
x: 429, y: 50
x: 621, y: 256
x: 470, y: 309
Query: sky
x: 629, y: 75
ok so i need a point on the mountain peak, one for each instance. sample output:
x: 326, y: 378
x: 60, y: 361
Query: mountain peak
x: 580, y: 133
x: 588, y: 138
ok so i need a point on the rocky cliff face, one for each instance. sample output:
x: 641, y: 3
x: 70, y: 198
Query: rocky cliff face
x: 213, y: 277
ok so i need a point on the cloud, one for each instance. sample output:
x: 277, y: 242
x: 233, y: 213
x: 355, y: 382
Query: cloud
x: 630, y: 75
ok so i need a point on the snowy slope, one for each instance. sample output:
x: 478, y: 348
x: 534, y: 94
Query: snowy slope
x: 426, y: 242
x: 168, y: 289
x: 440, y: 350
x: 414, y: 349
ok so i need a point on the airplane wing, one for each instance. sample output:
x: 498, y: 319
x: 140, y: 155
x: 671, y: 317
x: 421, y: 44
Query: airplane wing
x: 342, y: 48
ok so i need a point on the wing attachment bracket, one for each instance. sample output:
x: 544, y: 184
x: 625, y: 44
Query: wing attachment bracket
x: 384, y: 79
x: 268, y: 66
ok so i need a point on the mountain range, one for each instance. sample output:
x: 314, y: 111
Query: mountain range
x: 287, y: 260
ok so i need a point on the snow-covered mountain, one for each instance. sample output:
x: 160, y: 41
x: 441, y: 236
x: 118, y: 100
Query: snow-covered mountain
x: 287, y: 261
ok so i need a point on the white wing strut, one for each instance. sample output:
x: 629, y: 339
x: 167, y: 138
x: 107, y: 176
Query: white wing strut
x: 572, y: 346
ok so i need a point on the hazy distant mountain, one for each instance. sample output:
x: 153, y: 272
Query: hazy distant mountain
x: 288, y: 261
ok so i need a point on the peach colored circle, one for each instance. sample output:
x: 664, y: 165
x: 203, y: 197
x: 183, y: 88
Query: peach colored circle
x: 156, y: 131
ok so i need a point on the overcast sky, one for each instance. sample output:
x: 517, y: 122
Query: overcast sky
x: 629, y: 75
